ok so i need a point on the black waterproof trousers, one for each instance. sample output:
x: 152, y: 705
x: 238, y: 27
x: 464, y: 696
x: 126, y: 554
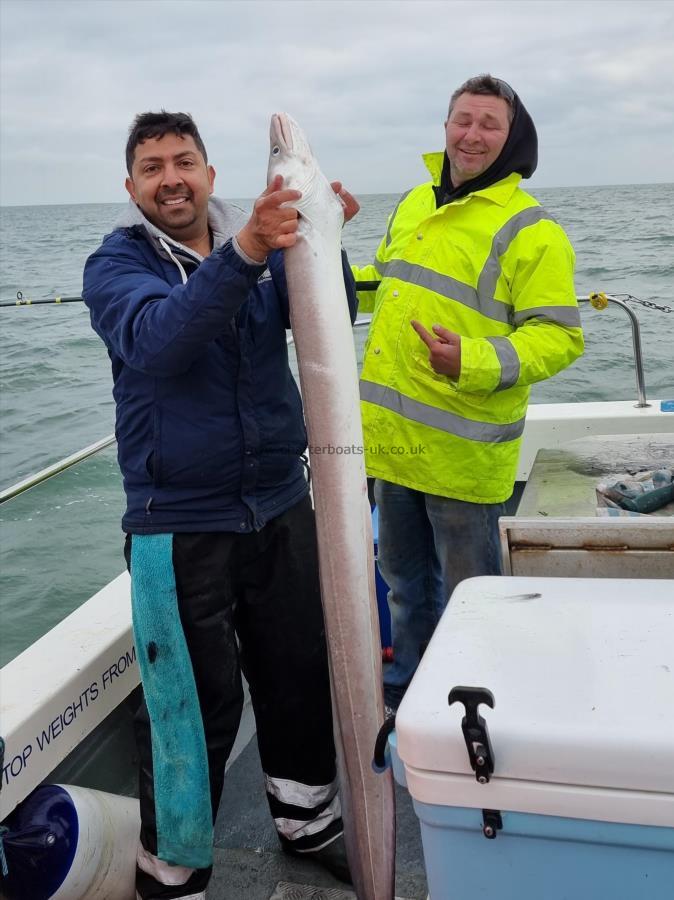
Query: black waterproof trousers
x: 251, y: 603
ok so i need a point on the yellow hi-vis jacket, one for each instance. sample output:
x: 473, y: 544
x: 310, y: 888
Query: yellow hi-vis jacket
x: 497, y: 269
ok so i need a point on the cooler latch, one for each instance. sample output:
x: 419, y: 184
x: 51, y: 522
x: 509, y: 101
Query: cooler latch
x: 474, y: 729
x: 491, y: 823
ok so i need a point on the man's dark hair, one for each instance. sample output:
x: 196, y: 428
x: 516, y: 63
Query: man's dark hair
x: 155, y: 125
x: 485, y: 84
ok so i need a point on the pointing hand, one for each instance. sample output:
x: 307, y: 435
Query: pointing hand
x: 444, y: 349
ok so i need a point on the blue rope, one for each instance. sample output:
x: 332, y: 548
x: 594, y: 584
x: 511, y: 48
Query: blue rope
x: 3, y: 858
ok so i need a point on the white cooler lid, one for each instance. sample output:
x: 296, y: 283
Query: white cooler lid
x: 582, y: 672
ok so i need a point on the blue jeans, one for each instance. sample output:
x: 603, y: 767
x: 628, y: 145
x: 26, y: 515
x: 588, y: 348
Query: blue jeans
x: 427, y: 545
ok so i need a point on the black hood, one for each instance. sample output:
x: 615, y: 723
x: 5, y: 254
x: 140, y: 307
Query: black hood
x: 519, y: 154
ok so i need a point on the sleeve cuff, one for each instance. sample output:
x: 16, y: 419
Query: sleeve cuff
x: 480, y: 368
x: 244, y: 256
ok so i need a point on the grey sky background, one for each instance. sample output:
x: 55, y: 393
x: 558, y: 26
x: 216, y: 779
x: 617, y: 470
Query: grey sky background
x: 368, y: 81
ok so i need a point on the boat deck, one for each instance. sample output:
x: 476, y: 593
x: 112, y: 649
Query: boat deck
x: 249, y: 864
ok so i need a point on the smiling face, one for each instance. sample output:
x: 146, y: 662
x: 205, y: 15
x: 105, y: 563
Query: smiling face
x: 476, y: 130
x: 171, y: 184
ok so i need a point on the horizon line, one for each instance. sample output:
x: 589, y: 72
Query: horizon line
x: 556, y: 187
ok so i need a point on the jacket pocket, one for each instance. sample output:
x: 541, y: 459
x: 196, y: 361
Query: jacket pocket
x: 153, y: 459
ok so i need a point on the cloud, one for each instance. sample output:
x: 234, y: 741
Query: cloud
x: 368, y: 81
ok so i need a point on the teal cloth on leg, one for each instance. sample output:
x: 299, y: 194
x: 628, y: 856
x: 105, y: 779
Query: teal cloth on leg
x: 180, y: 765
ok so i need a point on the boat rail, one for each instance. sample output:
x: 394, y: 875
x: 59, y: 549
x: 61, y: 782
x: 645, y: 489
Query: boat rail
x: 636, y: 340
x: 56, y: 468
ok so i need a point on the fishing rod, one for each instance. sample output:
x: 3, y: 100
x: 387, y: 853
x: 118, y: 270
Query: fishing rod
x: 27, y: 301
x: 597, y: 299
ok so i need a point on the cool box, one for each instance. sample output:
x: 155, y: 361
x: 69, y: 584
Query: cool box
x: 580, y: 802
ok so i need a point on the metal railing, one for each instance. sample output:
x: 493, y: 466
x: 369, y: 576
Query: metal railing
x: 636, y: 342
x: 55, y: 469
x: 63, y: 464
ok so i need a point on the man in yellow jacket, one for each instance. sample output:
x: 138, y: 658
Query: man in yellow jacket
x: 475, y: 303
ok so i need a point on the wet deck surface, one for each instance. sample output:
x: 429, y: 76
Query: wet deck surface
x: 249, y: 864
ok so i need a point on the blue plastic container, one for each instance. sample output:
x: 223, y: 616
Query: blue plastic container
x: 580, y: 802
x: 382, y: 588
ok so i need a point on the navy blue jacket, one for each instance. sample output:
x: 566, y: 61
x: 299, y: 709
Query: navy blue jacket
x: 209, y: 425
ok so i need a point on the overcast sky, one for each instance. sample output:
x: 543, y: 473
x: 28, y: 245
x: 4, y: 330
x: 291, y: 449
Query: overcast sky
x: 368, y: 82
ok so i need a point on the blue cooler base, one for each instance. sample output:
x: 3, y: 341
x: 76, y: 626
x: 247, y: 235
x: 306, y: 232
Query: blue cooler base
x: 539, y: 857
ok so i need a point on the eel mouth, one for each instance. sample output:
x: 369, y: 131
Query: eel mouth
x: 281, y: 130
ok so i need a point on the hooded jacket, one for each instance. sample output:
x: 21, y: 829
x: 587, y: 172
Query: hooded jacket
x: 486, y: 261
x: 209, y: 423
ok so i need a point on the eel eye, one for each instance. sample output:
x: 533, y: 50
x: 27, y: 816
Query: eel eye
x: 275, y: 150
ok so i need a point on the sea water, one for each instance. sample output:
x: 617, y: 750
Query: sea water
x: 61, y: 541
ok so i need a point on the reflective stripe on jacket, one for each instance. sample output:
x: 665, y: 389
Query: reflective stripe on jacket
x: 497, y: 269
